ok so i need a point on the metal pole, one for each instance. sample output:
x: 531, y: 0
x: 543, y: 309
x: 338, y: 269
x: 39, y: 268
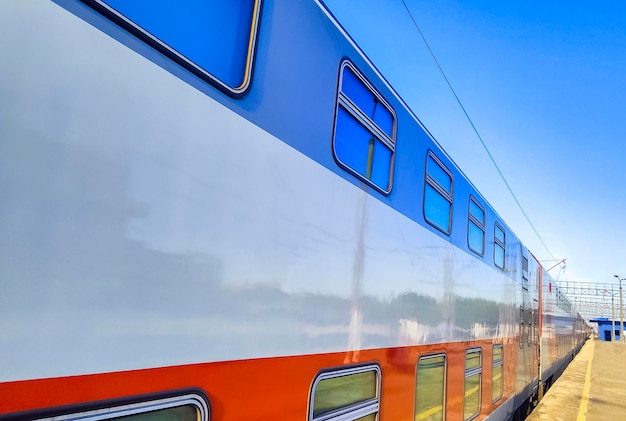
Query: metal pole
x: 621, y: 316
x: 621, y: 312
x: 612, y: 317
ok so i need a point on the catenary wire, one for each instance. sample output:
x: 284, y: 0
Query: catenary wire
x: 458, y: 100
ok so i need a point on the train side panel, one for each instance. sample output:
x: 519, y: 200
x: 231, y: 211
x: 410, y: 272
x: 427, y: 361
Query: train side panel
x: 164, y: 236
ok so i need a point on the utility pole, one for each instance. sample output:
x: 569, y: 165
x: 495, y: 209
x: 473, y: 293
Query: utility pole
x: 621, y: 317
x: 613, y: 316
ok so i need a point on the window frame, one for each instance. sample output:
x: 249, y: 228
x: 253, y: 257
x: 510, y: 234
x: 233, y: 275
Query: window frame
x: 521, y: 326
x: 445, y: 381
x: 448, y: 196
x: 497, y: 243
x: 153, y: 41
x: 531, y: 334
x: 471, y: 219
x: 349, y: 106
x: 471, y: 372
x: 525, y: 272
x: 353, y: 411
x: 497, y: 363
x: 129, y: 407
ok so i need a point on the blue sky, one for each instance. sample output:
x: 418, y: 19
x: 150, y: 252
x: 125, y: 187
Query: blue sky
x: 545, y: 85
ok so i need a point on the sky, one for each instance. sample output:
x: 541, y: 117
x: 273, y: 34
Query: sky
x: 545, y: 85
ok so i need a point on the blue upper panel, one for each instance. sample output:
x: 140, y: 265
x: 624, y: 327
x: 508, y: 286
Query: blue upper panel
x: 300, y: 72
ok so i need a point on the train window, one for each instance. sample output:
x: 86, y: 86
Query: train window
x: 497, y: 373
x: 430, y: 388
x: 215, y: 40
x: 521, y: 327
x: 472, y: 386
x: 190, y: 407
x: 438, y: 195
x: 346, y: 394
x: 499, y: 246
x: 525, y: 273
x: 476, y: 227
x: 530, y: 324
x: 364, y: 138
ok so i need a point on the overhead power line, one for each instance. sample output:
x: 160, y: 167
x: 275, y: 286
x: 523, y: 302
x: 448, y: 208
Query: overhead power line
x: 458, y: 100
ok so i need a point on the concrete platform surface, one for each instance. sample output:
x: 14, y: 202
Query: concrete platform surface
x: 592, y: 388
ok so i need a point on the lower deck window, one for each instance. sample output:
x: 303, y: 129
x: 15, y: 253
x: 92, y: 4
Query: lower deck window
x: 190, y: 407
x: 430, y: 388
x: 497, y: 373
x: 349, y: 394
x: 472, y: 385
x: 182, y: 413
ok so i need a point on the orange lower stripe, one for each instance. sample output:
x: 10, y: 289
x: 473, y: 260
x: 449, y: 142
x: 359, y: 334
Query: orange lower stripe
x: 268, y: 388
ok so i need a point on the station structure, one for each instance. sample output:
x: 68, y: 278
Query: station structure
x: 608, y: 330
x: 601, y: 304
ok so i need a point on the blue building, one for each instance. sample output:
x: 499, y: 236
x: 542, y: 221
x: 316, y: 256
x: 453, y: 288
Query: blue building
x: 605, y: 325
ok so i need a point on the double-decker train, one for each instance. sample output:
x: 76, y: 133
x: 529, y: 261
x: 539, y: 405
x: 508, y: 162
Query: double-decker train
x: 223, y: 211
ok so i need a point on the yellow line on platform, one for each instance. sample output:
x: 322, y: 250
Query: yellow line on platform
x: 584, y: 401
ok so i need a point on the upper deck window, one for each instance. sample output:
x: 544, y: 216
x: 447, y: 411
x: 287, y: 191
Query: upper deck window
x: 364, y: 140
x: 500, y: 245
x: 476, y: 227
x: 215, y: 40
x: 525, y: 272
x: 438, y: 195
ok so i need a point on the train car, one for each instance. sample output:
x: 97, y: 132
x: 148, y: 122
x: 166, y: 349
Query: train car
x: 564, y: 331
x: 223, y: 211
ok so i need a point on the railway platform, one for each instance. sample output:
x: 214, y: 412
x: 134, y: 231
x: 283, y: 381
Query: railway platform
x: 592, y: 388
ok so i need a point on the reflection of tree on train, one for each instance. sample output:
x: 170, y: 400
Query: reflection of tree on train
x: 476, y: 310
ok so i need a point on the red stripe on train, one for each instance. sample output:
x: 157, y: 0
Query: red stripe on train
x: 269, y: 388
